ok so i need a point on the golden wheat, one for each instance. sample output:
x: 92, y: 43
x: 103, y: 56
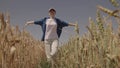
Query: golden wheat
x: 18, y: 49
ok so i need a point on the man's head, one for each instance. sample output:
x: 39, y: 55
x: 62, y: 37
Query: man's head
x: 52, y: 12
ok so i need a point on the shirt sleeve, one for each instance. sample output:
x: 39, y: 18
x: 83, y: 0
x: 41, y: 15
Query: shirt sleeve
x: 39, y: 22
x: 63, y: 23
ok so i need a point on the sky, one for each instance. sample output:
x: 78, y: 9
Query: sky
x: 73, y: 11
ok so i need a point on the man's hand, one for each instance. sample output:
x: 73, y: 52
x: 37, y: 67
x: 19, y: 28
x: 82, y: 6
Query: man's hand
x: 29, y: 22
x: 76, y: 27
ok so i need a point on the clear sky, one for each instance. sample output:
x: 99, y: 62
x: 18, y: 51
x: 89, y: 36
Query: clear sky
x: 22, y: 11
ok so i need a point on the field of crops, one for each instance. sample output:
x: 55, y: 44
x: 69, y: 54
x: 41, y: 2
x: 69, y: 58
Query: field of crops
x: 97, y: 48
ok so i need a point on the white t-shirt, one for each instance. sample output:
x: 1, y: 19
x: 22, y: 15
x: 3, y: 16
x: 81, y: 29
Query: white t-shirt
x: 51, y: 29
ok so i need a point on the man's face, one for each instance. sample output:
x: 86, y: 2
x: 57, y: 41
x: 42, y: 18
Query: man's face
x: 52, y: 13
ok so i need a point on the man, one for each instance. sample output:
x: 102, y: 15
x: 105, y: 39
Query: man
x: 52, y: 28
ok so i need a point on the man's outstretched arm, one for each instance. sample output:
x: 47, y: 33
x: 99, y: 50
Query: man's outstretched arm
x: 71, y: 24
x: 29, y: 22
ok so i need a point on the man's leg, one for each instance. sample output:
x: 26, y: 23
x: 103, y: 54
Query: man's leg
x: 54, y: 47
x: 48, y: 49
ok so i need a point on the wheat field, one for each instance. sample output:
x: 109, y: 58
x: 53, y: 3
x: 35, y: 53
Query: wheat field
x: 97, y: 48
